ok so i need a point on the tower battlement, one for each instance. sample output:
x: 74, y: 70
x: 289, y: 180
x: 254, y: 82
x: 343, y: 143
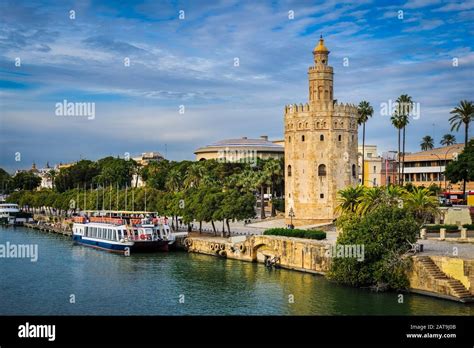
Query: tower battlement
x: 294, y: 110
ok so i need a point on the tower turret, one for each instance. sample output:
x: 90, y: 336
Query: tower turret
x: 320, y: 75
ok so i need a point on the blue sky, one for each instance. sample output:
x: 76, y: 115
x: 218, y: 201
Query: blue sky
x: 190, y: 62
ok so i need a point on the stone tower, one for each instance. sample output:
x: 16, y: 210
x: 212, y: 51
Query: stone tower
x: 320, y: 147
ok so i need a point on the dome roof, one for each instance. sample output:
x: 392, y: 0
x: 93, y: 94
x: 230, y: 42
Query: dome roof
x: 261, y: 144
x: 320, y: 47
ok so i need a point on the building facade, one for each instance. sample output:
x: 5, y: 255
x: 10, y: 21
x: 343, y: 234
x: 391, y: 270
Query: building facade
x: 373, y: 164
x: 427, y: 167
x: 320, y: 148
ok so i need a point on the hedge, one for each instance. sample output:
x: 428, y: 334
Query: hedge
x: 436, y: 228
x: 470, y: 227
x: 310, y: 234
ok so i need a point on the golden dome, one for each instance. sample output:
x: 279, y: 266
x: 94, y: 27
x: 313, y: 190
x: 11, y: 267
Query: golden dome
x: 320, y: 47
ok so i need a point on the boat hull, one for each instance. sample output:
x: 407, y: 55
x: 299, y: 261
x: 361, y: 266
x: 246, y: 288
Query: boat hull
x: 132, y: 247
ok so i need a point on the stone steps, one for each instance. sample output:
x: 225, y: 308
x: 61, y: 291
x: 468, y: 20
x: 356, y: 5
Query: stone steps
x: 455, y: 286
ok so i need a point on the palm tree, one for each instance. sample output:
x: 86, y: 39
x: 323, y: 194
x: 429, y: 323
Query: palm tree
x: 174, y: 180
x: 371, y: 198
x: 274, y: 171
x: 262, y: 179
x: 427, y: 143
x: 463, y: 113
x: 194, y: 175
x: 397, y: 123
x: 245, y: 180
x: 448, y: 139
x: 349, y: 199
x: 364, y: 111
x: 423, y: 203
x: 404, y: 107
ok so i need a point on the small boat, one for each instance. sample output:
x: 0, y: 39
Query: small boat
x: 122, y: 234
x: 11, y: 214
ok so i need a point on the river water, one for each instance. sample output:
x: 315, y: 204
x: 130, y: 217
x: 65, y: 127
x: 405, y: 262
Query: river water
x: 69, y: 279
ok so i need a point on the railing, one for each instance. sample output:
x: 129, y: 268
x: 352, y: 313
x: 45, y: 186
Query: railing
x: 218, y: 232
x: 444, y: 234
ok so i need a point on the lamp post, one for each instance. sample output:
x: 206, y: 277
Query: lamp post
x: 439, y: 175
x: 291, y: 214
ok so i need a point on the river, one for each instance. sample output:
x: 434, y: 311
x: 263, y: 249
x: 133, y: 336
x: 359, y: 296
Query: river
x: 69, y: 279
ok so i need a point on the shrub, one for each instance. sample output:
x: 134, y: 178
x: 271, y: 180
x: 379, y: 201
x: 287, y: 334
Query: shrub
x: 470, y: 227
x: 436, y: 228
x: 385, y: 234
x: 309, y: 234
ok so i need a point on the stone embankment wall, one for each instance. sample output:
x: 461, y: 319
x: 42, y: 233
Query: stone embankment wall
x: 292, y: 253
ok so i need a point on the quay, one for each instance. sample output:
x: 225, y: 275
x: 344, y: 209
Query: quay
x: 51, y: 228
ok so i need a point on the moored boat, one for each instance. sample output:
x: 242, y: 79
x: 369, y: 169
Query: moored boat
x: 123, y: 233
x: 11, y: 214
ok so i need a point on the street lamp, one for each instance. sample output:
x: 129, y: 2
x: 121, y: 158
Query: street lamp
x: 291, y: 214
x: 445, y: 162
x: 439, y: 175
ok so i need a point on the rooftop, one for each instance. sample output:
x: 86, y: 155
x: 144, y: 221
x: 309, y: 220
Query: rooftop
x: 262, y: 144
x: 444, y: 153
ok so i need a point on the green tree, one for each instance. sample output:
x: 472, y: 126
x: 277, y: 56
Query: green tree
x: 80, y: 174
x: 462, y: 114
x: 386, y: 234
x: 463, y: 167
x: 26, y: 181
x: 5, y: 181
x: 427, y: 143
x: 364, y: 111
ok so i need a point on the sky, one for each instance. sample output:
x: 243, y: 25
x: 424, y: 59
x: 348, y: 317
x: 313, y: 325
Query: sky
x: 172, y: 76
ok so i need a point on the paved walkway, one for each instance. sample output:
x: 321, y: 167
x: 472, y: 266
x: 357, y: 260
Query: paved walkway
x: 447, y: 248
x: 430, y: 246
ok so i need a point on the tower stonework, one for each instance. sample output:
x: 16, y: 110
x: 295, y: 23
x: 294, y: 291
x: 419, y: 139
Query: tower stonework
x: 320, y: 148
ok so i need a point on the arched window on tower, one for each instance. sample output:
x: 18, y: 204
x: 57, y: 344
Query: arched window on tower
x: 322, y: 170
x: 339, y: 137
x: 321, y: 137
x: 289, y: 139
x: 302, y: 138
x: 289, y: 170
x: 354, y: 171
